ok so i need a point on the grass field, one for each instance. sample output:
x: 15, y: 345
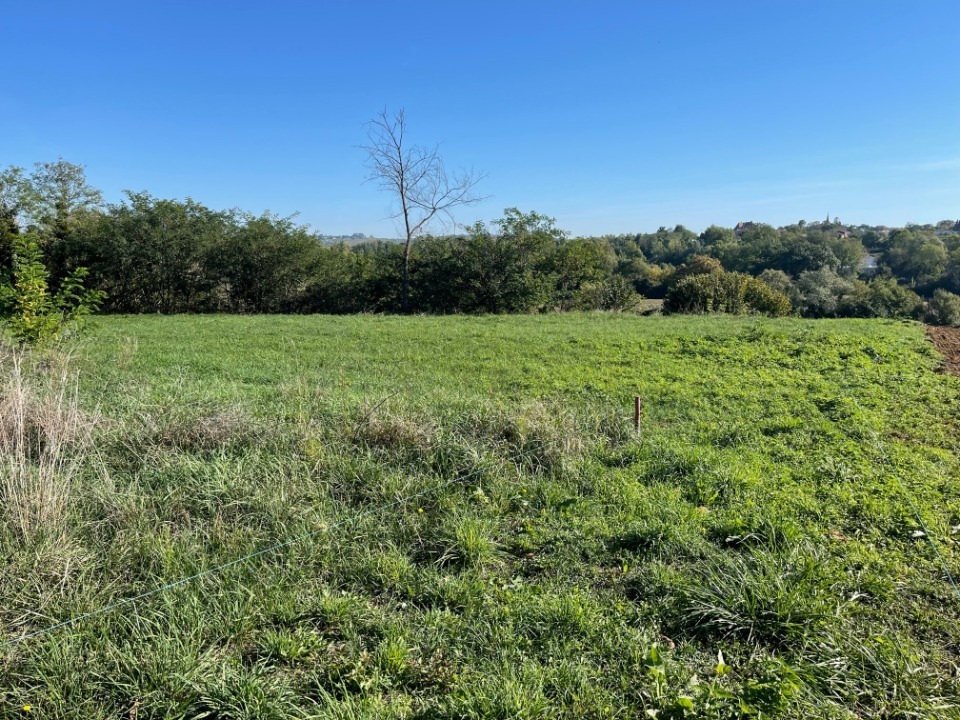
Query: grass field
x: 484, y: 533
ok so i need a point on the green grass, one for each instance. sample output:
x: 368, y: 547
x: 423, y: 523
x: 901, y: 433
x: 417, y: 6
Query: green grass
x: 752, y: 552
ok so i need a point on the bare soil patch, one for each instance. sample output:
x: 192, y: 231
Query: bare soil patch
x: 947, y: 341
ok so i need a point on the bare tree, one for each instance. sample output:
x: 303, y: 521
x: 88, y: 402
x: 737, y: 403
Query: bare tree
x: 418, y: 180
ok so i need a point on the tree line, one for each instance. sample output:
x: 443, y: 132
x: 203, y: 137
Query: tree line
x: 153, y: 255
x: 825, y: 269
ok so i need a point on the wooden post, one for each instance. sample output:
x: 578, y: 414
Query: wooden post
x: 637, y: 412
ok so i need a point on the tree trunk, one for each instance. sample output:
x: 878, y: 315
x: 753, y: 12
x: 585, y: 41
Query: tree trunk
x: 405, y: 302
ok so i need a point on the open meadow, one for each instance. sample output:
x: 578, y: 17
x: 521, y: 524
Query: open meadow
x: 460, y: 521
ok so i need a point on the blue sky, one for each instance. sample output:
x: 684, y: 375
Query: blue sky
x: 609, y: 116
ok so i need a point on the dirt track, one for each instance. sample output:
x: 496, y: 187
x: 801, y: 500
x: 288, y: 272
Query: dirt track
x: 947, y: 340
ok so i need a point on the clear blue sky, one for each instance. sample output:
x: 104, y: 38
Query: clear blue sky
x: 608, y: 116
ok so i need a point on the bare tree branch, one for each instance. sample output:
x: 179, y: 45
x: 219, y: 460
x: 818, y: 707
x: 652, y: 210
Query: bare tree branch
x: 418, y: 180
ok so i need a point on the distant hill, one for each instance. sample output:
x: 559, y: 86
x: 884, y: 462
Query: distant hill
x: 354, y: 239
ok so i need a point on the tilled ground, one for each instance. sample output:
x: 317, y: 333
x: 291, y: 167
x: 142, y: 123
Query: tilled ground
x: 947, y: 341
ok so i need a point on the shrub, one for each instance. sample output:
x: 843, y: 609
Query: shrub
x: 616, y: 293
x: 726, y: 292
x: 704, y: 293
x: 943, y: 309
x: 762, y: 298
x: 35, y: 315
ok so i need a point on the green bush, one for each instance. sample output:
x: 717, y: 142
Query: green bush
x: 761, y: 298
x: 943, y: 309
x: 725, y: 292
x: 882, y: 297
x: 616, y: 293
x: 33, y: 314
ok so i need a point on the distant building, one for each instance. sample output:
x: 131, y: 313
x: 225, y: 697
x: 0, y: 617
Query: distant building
x: 743, y: 226
x: 868, y: 266
x: 842, y: 232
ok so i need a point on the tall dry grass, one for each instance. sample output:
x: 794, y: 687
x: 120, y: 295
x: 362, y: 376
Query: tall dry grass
x: 43, y: 435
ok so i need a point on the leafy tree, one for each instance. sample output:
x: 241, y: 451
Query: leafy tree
x: 800, y: 253
x: 951, y: 278
x: 14, y: 188
x: 761, y: 298
x: 849, y: 253
x: 650, y: 280
x: 715, y: 236
x: 263, y: 264
x: 873, y: 240
x: 340, y: 281
x: 614, y: 293
x: 821, y: 293
x: 60, y: 193
x: 881, y: 297
x: 793, y: 250
x: 669, y: 246
x: 916, y: 257
x: 379, y: 274
x: 441, y: 274
x: 697, y: 265
x: 508, y: 270
x: 16, y: 195
x: 580, y: 268
x: 758, y: 249
x: 778, y: 280
x: 512, y: 268
x: 153, y: 255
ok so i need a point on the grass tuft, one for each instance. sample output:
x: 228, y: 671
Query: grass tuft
x: 44, y: 439
x: 779, y: 598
